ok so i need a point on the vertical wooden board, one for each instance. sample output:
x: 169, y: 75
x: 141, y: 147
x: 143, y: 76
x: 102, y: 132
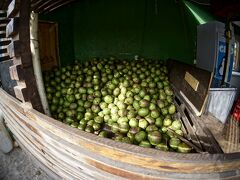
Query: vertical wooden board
x: 48, y: 45
x: 16, y: 72
x: 13, y: 8
x: 24, y: 33
x: 12, y: 27
x: 14, y: 49
x: 21, y: 93
x: 177, y: 71
x: 7, y: 83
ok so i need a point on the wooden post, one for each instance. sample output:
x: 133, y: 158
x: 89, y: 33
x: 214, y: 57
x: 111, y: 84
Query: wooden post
x: 36, y: 61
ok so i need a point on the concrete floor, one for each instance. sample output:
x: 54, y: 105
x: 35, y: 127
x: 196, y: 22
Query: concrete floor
x: 16, y: 165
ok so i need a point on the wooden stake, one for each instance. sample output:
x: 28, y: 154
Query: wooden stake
x: 36, y: 61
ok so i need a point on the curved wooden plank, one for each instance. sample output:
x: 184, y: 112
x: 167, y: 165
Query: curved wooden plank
x: 72, y: 153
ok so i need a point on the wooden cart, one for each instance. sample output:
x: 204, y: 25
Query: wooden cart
x: 66, y: 152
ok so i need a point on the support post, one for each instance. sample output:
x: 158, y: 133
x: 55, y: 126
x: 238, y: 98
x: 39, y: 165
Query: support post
x: 36, y: 61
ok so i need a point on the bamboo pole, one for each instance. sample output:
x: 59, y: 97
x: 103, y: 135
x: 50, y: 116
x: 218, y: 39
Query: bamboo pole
x: 36, y: 61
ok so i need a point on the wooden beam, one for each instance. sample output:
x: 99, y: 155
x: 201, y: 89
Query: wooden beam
x: 4, y: 20
x: 13, y: 8
x: 54, y: 5
x: 5, y: 41
x: 19, y: 49
x: 36, y: 3
x: 58, y: 6
x: 21, y: 93
x: 16, y: 72
x: 12, y: 27
x: 14, y: 49
x: 3, y: 13
x: 43, y: 4
x: 4, y: 57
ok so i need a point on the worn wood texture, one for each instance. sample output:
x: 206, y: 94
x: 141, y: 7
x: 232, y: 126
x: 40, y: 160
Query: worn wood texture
x: 4, y: 57
x: 196, y: 131
x: 16, y: 72
x: 19, y: 50
x: 13, y: 27
x: 72, y: 153
x: 13, y: 8
x: 14, y: 49
x: 233, y: 135
x: 48, y: 45
x: 177, y: 71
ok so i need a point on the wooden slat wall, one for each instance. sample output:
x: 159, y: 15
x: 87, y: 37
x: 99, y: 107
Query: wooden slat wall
x: 5, y: 60
x: 19, y: 50
x: 4, y: 41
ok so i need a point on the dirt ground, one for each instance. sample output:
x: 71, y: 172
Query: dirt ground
x: 16, y: 165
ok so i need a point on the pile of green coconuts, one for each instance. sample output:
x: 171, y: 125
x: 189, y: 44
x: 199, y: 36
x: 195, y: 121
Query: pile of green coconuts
x: 127, y: 101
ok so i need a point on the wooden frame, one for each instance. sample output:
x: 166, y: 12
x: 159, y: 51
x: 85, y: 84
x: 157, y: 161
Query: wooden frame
x: 71, y: 153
